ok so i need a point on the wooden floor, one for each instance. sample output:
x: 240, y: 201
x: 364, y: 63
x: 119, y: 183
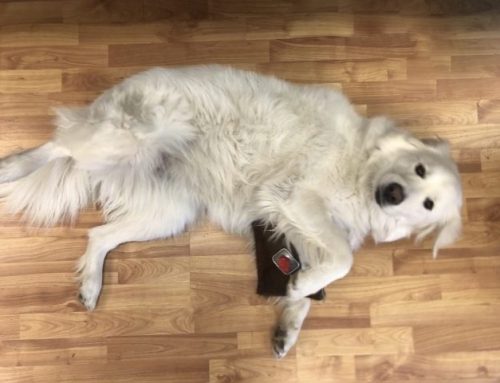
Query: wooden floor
x: 184, y: 310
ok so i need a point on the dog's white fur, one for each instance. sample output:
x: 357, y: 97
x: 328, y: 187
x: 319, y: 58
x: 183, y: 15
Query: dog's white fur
x: 168, y: 145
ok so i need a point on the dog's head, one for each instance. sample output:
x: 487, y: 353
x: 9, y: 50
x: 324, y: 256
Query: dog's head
x: 415, y: 188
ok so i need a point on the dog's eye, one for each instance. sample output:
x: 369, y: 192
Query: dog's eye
x: 428, y: 204
x: 420, y: 170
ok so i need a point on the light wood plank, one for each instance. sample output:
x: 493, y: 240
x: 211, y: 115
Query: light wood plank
x: 355, y: 341
x: 343, y: 48
x: 225, y: 318
x: 446, y: 367
x: 190, y: 53
x: 324, y: 369
x: 481, y: 185
x: 113, y: 323
x: 53, y: 57
x: 254, y: 370
x: 382, y: 289
x: 38, y: 34
x: 52, y: 352
x: 449, y: 312
x: 477, y: 136
x: 483, y: 209
x: 336, y: 71
x: 456, y: 338
x: 428, y: 113
x: 479, y: 88
x: 171, y: 347
x: 20, y: 81
x: 371, y: 92
x: 490, y: 159
x: 489, y: 111
x: 30, y: 12
x: 179, y: 371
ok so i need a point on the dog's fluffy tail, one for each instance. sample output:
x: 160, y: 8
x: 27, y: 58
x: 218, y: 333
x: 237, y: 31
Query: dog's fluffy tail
x: 54, y: 192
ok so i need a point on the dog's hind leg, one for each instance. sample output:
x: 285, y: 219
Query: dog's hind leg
x: 287, y: 332
x: 104, y: 238
x: 21, y: 164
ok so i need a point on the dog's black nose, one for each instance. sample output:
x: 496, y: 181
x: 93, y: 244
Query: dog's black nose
x: 392, y: 194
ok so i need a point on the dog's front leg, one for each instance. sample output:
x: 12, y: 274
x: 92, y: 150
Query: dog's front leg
x: 328, y: 267
x: 325, y: 255
x: 320, y: 270
x: 324, y: 248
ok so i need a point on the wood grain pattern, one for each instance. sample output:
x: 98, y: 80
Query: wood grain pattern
x: 38, y: 34
x: 27, y: 81
x: 325, y: 369
x: 232, y: 52
x: 54, y: 57
x: 255, y: 370
x: 428, y: 113
x: 490, y: 159
x: 356, y: 341
x: 184, y: 310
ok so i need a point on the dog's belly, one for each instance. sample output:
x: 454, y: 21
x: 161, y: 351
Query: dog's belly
x: 233, y: 140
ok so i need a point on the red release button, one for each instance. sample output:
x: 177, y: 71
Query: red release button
x: 284, y: 264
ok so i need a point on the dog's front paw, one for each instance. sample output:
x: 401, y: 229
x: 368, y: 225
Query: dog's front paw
x: 283, y: 340
x: 279, y: 342
x: 89, y: 293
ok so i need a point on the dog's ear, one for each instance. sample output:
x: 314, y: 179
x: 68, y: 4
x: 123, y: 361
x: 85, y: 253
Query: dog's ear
x: 384, y: 136
x: 396, y: 141
x: 439, y: 144
x: 378, y: 128
x: 448, y: 233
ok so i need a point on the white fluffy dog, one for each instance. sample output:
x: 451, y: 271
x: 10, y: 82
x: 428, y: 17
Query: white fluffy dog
x: 169, y: 145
